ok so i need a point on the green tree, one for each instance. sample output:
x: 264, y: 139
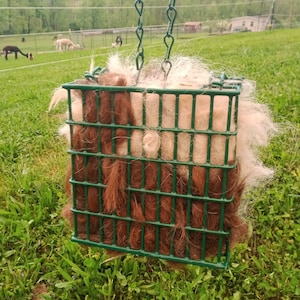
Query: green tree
x: 60, y: 15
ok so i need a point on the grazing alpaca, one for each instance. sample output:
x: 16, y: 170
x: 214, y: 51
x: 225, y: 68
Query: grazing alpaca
x: 215, y: 163
x: 65, y: 44
x: 118, y: 42
x: 10, y: 49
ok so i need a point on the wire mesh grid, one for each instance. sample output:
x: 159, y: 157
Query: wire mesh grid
x: 156, y: 182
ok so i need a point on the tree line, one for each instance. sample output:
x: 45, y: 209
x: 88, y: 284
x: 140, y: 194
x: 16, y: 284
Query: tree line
x: 35, y: 16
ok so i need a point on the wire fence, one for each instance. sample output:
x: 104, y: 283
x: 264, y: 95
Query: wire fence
x: 99, y: 38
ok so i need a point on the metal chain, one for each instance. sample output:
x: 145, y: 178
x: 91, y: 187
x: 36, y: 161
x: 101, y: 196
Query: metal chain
x: 169, y: 38
x: 139, y: 6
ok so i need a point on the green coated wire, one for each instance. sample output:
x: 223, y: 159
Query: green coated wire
x: 222, y: 258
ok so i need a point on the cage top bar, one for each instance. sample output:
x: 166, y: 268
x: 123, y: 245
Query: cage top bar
x: 227, y: 89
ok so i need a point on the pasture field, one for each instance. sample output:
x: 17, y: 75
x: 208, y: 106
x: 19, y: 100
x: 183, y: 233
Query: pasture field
x: 37, y: 258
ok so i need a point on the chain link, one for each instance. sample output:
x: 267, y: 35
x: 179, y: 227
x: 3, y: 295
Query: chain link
x: 139, y: 60
x: 169, y: 38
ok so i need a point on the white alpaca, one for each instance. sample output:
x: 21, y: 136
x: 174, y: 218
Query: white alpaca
x: 65, y: 44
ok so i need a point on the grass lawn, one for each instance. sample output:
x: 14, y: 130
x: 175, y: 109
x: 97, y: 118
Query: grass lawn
x: 36, y: 254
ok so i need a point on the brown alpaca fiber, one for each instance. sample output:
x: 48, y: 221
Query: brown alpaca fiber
x: 92, y: 168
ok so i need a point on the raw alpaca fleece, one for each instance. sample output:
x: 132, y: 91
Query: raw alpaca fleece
x: 255, y: 127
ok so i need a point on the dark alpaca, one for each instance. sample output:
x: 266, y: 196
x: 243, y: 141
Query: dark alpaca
x: 10, y: 49
x: 119, y: 40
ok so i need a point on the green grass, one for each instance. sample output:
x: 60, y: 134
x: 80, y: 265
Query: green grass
x: 35, y: 246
